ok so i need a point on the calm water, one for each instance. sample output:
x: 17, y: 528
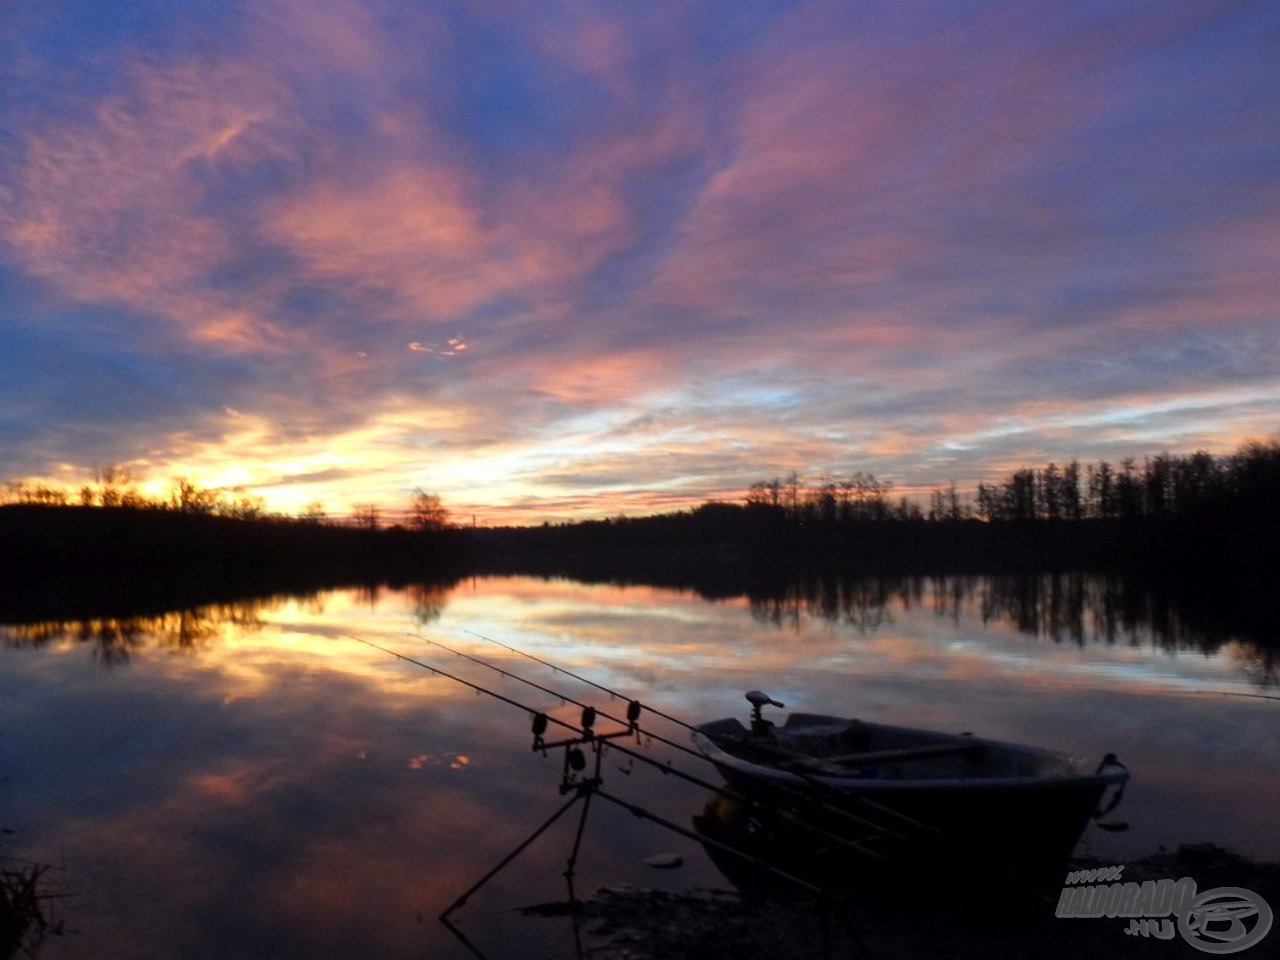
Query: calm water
x: 248, y: 781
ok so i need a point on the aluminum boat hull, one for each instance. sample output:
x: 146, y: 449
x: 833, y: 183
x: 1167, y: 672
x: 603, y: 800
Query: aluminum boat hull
x: 918, y: 798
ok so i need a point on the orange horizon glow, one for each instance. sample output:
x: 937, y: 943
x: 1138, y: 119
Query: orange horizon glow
x: 625, y: 264
x: 237, y: 477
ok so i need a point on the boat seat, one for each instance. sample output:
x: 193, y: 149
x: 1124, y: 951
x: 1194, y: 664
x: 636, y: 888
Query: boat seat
x: 927, y: 752
x: 785, y: 758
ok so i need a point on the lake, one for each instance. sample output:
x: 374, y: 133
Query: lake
x: 249, y: 780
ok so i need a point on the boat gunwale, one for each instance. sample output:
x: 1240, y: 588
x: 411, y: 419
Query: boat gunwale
x: 730, y: 764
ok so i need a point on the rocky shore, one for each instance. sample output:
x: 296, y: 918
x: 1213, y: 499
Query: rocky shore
x: 984, y: 920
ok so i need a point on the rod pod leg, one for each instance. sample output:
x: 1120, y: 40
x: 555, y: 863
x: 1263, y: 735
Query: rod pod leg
x: 585, y: 791
x: 509, y: 857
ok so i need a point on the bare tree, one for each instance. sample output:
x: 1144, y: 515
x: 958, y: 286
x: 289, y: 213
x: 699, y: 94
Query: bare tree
x: 367, y: 515
x: 186, y: 497
x: 314, y: 513
x: 426, y: 512
x: 245, y: 506
x: 114, y: 482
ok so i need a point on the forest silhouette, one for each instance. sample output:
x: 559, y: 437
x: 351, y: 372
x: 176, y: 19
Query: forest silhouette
x: 1199, y: 514
x: 1212, y: 523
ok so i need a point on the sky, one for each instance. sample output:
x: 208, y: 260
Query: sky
x: 566, y: 259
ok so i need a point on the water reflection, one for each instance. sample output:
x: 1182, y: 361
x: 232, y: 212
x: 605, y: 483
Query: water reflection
x: 114, y: 640
x: 280, y: 790
x: 1067, y: 608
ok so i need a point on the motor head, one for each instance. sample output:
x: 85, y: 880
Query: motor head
x: 758, y: 700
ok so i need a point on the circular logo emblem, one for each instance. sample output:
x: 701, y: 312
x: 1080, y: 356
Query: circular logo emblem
x: 1225, y: 920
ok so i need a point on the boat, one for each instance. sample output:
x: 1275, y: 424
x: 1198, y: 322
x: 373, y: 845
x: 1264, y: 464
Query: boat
x: 916, y: 797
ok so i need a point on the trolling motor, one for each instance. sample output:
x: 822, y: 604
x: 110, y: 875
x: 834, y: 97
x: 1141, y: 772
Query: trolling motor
x: 759, y: 699
x: 1113, y: 768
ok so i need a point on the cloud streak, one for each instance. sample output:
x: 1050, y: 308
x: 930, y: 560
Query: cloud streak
x: 595, y: 261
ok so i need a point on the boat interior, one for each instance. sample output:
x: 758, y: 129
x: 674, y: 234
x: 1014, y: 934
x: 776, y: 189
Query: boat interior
x: 814, y: 745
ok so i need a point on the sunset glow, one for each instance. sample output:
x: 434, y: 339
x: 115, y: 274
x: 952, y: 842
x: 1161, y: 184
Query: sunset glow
x: 569, y: 261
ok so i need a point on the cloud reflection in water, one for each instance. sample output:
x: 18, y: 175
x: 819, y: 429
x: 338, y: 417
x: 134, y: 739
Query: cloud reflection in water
x: 277, y: 788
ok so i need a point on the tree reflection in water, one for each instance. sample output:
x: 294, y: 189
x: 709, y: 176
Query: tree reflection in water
x: 1075, y: 608
x: 114, y: 640
x: 1067, y: 608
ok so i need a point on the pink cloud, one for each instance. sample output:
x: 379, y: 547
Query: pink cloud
x: 843, y: 239
x: 600, y: 378
x: 902, y: 164
x: 412, y: 230
x: 109, y: 204
x: 337, y: 35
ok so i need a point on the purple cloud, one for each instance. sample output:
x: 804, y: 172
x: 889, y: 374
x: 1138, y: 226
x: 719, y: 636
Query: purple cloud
x: 500, y: 254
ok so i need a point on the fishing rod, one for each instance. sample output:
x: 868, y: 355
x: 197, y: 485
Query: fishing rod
x: 585, y: 734
x: 466, y: 683
x: 586, y: 788
x: 592, y: 788
x: 1224, y: 693
x: 591, y: 683
x: 819, y: 787
x: 688, y: 726
x: 812, y: 781
x: 634, y: 708
x: 683, y: 748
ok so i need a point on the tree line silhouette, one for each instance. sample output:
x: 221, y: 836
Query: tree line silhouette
x: 1215, y: 516
x: 1163, y: 485
x: 110, y: 544
x: 115, y: 486
x: 1195, y: 512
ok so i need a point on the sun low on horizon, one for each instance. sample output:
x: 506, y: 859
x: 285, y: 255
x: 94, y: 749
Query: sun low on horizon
x: 563, y: 260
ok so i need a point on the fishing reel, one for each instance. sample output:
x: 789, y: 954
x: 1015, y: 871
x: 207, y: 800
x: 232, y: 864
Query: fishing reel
x: 587, y: 724
x: 539, y: 728
x: 575, y: 757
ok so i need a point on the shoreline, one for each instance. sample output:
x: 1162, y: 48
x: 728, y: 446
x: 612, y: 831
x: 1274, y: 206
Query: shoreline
x: 982, y: 921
